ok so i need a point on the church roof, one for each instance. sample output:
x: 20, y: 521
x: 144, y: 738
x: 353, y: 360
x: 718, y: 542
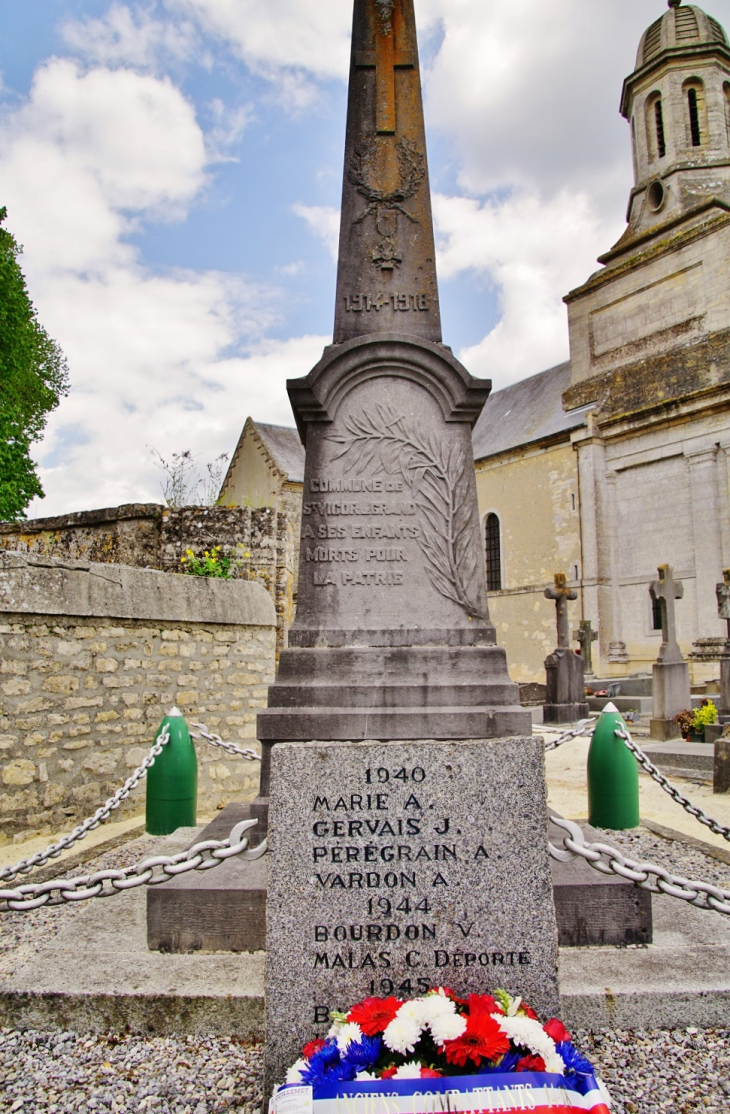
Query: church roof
x: 526, y: 412
x: 682, y: 27
x: 285, y: 448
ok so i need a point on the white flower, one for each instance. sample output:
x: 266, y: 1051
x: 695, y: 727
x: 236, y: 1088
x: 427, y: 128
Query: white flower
x: 364, y: 1077
x: 530, y: 1034
x: 409, y: 1071
x: 349, y: 1033
x: 294, y: 1075
x: 334, y: 1029
x: 403, y: 1033
x: 435, y: 1005
x: 447, y: 1027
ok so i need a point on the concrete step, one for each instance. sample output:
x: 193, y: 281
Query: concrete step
x: 680, y: 759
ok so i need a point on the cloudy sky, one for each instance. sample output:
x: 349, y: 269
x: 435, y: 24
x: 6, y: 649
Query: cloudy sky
x: 173, y: 170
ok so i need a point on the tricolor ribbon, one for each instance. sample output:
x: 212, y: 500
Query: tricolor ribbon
x: 509, y: 1093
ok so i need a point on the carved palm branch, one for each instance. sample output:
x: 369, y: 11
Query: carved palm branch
x: 438, y: 478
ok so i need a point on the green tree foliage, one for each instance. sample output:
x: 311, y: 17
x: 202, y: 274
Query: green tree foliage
x: 33, y: 377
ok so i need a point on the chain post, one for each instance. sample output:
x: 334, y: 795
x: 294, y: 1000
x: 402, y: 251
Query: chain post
x: 613, y: 776
x: 172, y: 782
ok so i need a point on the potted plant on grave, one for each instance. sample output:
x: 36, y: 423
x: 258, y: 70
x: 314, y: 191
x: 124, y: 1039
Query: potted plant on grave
x: 692, y: 722
x: 441, y: 1052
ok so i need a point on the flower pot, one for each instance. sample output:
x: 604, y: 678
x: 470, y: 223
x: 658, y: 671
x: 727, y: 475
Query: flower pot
x: 697, y: 736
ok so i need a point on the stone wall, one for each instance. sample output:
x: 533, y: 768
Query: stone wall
x: 145, y: 535
x: 91, y: 658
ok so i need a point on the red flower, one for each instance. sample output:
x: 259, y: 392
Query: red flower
x: 483, y: 1038
x: 557, y: 1030
x: 529, y: 1012
x: 309, y: 1049
x: 374, y: 1015
x: 531, y: 1063
x: 388, y: 1073
x: 429, y: 1073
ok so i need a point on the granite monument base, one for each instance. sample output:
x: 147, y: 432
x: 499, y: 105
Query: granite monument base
x: 724, y: 702
x: 721, y: 780
x: 566, y: 693
x: 398, y: 866
x: 671, y: 694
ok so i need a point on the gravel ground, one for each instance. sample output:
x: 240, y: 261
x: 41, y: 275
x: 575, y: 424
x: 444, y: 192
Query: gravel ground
x: 676, y: 1072
x: 58, y: 1072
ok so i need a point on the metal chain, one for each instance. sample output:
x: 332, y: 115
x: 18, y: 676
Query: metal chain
x: 579, y: 729
x: 694, y: 810
x: 230, y: 748
x: 101, y: 814
x: 646, y: 876
x: 150, y: 872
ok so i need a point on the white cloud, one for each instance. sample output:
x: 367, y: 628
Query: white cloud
x: 131, y: 36
x: 279, y: 34
x: 174, y: 359
x: 532, y: 250
x: 324, y: 222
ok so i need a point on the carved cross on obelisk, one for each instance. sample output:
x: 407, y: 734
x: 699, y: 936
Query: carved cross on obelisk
x: 665, y: 591
x: 387, y: 57
x: 561, y: 593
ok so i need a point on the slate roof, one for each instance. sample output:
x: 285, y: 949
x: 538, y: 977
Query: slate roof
x: 285, y: 448
x: 526, y: 412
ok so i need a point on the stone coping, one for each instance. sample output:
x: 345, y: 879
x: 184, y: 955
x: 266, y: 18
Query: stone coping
x: 49, y: 586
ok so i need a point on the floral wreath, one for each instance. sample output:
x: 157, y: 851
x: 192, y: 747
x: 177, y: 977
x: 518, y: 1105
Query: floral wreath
x: 442, y: 1035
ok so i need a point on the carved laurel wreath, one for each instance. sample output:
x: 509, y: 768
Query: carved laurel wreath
x: 438, y: 479
x: 412, y: 171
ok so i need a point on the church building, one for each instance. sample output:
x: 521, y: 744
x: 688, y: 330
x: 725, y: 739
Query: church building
x: 617, y: 462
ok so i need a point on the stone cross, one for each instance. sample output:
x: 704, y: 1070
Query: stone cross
x: 586, y: 635
x: 561, y: 593
x: 723, y: 599
x: 665, y: 591
x: 385, y: 59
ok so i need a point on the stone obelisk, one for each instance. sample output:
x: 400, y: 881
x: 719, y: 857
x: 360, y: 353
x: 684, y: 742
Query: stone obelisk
x: 408, y: 823
x: 392, y: 638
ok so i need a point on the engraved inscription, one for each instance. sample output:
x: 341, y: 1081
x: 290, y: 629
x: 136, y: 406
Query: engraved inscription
x: 437, y: 476
x: 383, y: 843
x: 399, y: 303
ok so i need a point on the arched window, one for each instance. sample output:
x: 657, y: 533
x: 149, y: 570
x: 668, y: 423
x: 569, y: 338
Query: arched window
x: 661, y: 143
x: 656, y: 614
x: 694, y: 118
x: 695, y: 113
x: 493, y: 550
x: 656, y: 140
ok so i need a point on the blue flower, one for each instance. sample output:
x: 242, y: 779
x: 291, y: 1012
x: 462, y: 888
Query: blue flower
x: 573, y: 1060
x: 508, y: 1063
x: 325, y: 1067
x: 362, y: 1055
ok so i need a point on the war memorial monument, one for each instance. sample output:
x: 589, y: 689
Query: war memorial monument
x: 403, y: 796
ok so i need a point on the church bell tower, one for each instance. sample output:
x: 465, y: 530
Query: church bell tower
x: 677, y: 101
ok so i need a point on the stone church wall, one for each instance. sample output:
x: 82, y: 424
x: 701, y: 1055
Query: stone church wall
x: 534, y: 492
x: 91, y: 658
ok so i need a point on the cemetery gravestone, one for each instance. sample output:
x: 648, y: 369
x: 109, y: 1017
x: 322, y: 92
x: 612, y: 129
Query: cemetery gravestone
x: 432, y: 839
x: 671, y: 685
x: 585, y: 636
x: 566, y: 700
x: 723, y: 607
